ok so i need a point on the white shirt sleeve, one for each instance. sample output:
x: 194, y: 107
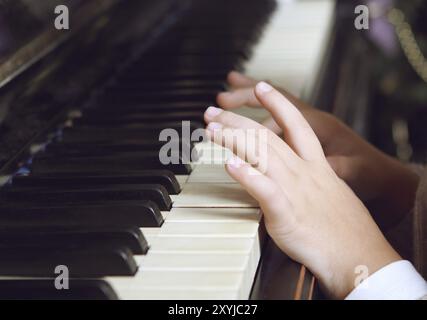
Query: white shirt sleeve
x: 397, y: 281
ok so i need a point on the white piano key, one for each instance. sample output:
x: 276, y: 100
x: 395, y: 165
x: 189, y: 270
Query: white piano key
x: 210, y: 173
x: 293, y: 45
x: 178, y: 294
x: 178, y: 281
x: 202, y: 245
x: 223, y: 267
x: 211, y: 229
x: 193, y: 262
x: 182, y: 179
x: 214, y: 215
x: 150, y: 233
x: 199, y: 260
x: 201, y: 195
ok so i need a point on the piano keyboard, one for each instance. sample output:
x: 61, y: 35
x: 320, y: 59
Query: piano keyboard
x: 108, y: 209
x: 292, y: 48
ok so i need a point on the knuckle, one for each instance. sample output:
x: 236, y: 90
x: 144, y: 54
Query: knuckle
x: 223, y: 115
x: 226, y: 117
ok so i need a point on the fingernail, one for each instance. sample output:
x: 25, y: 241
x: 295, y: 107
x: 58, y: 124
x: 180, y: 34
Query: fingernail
x: 212, y: 112
x: 214, y: 126
x: 234, y: 162
x: 264, y: 87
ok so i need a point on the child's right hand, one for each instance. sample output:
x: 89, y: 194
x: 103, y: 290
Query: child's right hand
x: 375, y: 177
x: 309, y: 212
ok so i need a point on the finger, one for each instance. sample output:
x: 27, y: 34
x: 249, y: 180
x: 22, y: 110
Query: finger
x: 238, y: 98
x: 272, y: 199
x: 232, y: 120
x: 238, y: 80
x: 250, y: 146
x: 272, y: 125
x: 296, y: 130
x: 301, y: 105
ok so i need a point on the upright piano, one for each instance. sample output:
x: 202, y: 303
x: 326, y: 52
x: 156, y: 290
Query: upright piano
x: 82, y: 188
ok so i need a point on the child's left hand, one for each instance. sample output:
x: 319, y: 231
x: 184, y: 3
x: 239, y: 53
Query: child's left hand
x: 310, y: 213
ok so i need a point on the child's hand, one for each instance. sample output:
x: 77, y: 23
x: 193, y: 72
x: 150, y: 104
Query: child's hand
x: 242, y: 94
x: 309, y: 211
x: 378, y: 179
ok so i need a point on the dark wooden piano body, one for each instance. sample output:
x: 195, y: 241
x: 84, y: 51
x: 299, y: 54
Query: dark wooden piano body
x: 45, y: 74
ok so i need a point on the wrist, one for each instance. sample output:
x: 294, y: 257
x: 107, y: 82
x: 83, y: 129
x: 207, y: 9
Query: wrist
x: 345, y: 273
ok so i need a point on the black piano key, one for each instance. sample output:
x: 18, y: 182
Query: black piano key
x: 165, y: 96
x: 222, y: 36
x: 44, y: 289
x: 219, y: 74
x: 154, y: 192
x: 194, y: 46
x: 197, y: 21
x: 85, y: 149
x: 89, y: 148
x: 236, y: 32
x: 138, y: 132
x: 142, y: 129
x: 123, y: 162
x: 84, y: 262
x: 156, y: 86
x: 106, y: 214
x: 119, y: 108
x: 141, y: 117
x: 163, y: 177
x: 187, y: 62
x: 195, y: 49
x: 185, y: 57
x: 71, y: 238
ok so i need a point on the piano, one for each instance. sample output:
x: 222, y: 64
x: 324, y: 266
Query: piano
x: 81, y: 110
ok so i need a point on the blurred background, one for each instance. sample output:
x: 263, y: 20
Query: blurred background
x: 384, y: 75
